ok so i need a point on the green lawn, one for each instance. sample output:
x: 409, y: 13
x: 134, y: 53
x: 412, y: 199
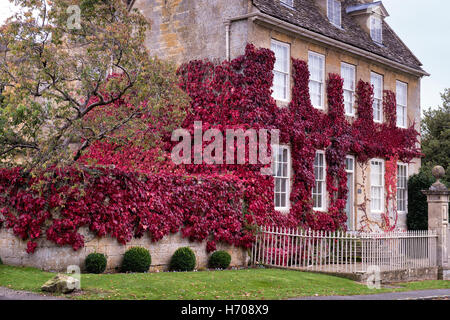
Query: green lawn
x: 222, y: 285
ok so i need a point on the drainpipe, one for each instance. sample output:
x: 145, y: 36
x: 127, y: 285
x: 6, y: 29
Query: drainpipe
x: 227, y: 39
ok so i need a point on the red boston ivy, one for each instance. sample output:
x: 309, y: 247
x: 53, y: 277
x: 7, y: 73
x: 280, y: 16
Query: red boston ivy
x: 141, y: 191
x: 122, y: 205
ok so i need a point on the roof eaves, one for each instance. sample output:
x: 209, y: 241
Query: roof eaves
x: 330, y: 41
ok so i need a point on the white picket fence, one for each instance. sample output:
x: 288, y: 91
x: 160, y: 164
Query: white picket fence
x: 344, y: 252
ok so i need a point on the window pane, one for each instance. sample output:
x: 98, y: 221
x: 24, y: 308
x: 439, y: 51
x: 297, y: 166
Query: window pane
x: 285, y: 155
x: 348, y: 74
x: 281, y: 175
x: 377, y: 82
x: 350, y: 78
x: 376, y: 29
x: 349, y: 164
x: 315, y: 93
x: 285, y: 170
x: 279, y: 86
x: 402, y: 186
x: 402, y: 93
x: 319, y: 185
x: 334, y: 12
x: 281, y: 70
x: 377, y: 110
x: 316, y: 66
x: 283, y: 200
x: 402, y: 101
x: 277, y: 200
x: 348, y: 102
x: 281, y: 57
x: 278, y: 171
x: 377, y: 185
x: 277, y: 185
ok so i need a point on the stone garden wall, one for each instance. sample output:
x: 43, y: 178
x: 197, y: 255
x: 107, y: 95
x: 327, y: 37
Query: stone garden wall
x: 50, y: 257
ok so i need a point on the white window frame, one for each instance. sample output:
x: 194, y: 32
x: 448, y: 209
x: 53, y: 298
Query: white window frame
x: 276, y: 149
x: 382, y: 187
x: 402, y: 106
x: 334, y: 12
x: 350, y: 90
x: 285, y: 73
x: 350, y: 223
x: 377, y: 97
x: 289, y: 3
x: 376, y: 28
x: 404, y: 188
x: 321, y: 82
x: 323, y: 189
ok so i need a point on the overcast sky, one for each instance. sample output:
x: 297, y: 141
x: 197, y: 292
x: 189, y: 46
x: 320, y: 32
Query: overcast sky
x: 422, y: 25
x: 5, y: 9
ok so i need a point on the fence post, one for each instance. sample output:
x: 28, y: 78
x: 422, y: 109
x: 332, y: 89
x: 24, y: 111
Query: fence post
x: 438, y: 199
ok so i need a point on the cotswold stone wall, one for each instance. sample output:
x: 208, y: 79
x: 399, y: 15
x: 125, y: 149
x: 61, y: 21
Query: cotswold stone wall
x: 50, y: 257
x: 184, y: 30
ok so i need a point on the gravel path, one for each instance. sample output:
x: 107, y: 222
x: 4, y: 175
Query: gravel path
x: 9, y: 294
x: 437, y: 294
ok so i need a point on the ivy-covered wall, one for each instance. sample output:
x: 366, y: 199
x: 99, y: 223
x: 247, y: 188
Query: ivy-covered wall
x: 261, y: 36
x: 214, y: 203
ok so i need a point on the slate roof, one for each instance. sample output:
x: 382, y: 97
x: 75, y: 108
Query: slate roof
x: 306, y: 14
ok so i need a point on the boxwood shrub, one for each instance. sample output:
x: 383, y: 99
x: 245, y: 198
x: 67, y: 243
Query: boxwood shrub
x: 95, y: 263
x: 136, y: 259
x: 183, y: 260
x: 220, y: 260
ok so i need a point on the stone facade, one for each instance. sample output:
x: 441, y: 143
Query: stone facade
x: 50, y: 257
x: 300, y: 47
x: 184, y: 30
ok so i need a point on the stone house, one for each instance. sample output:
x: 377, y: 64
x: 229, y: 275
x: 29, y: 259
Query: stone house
x: 347, y: 37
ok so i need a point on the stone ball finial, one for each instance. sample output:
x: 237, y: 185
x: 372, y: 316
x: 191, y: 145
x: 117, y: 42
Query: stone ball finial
x: 438, y: 172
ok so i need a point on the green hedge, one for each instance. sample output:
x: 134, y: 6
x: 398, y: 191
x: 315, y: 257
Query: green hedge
x: 95, y: 263
x: 183, y: 260
x: 136, y: 260
x: 220, y: 260
x: 417, y: 218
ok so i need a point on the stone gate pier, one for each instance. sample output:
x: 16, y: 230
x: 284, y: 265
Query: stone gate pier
x: 438, y: 221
